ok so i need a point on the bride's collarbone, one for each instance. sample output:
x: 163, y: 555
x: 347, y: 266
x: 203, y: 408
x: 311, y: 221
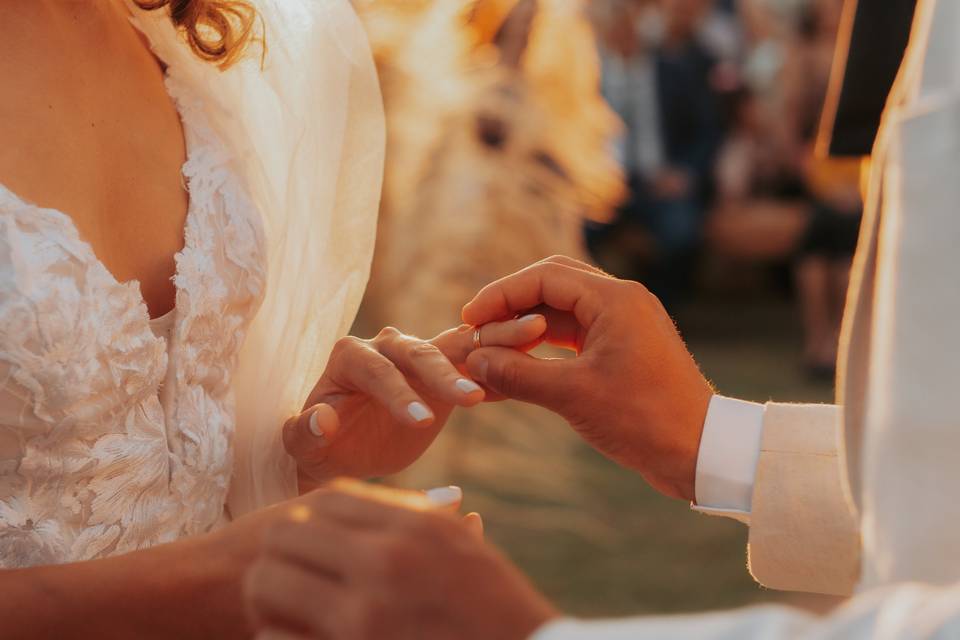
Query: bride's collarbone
x: 105, y: 147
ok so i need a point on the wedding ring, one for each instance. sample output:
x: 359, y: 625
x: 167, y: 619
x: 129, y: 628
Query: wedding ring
x: 476, y: 339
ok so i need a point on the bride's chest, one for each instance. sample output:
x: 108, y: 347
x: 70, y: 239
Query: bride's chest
x: 109, y: 429
x: 77, y: 351
x: 104, y: 144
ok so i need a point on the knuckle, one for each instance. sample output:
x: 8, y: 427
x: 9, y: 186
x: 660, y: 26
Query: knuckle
x: 291, y: 423
x: 255, y: 581
x: 437, y: 527
x: 277, y: 535
x: 396, y: 560
x: 584, y: 368
x: 551, y: 268
x: 366, y: 619
x: 417, y: 527
x: 317, y: 617
x: 507, y: 378
x: 332, y: 496
x: 421, y: 350
x: 346, y: 345
x: 388, y: 333
x: 590, y: 370
x: 635, y: 290
x: 568, y: 399
x: 377, y: 367
x: 289, y: 433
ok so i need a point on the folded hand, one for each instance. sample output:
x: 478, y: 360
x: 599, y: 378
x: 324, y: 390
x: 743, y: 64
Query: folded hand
x: 633, y: 391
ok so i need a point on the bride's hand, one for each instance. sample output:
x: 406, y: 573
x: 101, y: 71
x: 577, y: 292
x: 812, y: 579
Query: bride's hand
x: 381, y: 402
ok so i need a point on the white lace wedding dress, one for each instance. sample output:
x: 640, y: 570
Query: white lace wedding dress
x: 92, y: 460
x: 118, y: 432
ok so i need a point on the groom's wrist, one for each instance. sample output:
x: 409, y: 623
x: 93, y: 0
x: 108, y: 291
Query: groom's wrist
x: 672, y: 442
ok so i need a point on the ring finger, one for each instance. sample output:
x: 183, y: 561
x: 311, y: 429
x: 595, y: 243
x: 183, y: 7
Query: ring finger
x: 521, y: 333
x: 367, y: 370
x: 428, y: 366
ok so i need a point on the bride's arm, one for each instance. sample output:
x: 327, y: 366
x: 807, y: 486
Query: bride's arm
x: 189, y: 589
x: 180, y: 590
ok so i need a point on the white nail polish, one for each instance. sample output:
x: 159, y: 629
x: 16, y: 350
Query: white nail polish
x: 314, y: 426
x: 530, y: 318
x: 418, y: 411
x: 445, y: 496
x: 467, y: 386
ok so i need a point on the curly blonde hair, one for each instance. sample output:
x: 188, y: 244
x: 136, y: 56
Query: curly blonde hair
x: 218, y: 31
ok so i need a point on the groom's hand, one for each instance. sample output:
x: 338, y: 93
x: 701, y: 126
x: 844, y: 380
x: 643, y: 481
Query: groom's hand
x: 633, y: 391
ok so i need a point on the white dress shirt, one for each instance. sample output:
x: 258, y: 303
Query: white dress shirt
x: 727, y: 461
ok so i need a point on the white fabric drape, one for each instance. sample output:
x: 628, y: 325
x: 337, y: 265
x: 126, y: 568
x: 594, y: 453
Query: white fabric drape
x: 306, y: 128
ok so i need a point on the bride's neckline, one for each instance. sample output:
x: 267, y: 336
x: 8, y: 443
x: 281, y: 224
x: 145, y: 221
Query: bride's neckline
x: 68, y: 221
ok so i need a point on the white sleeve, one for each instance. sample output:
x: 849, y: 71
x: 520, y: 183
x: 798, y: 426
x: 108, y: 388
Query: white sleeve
x: 727, y: 461
x: 907, y: 611
x: 313, y: 116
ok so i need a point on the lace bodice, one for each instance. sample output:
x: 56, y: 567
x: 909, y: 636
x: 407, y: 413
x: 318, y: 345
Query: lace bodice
x: 92, y: 462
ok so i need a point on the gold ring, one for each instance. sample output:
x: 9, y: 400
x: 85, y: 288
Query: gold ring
x: 476, y: 339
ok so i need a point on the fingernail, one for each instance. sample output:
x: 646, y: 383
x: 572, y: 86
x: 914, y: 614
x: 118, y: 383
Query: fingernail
x: 530, y: 318
x: 418, y: 411
x: 467, y: 386
x: 315, y: 426
x: 445, y: 496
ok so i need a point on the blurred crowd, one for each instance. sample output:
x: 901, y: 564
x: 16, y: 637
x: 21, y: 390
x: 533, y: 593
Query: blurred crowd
x: 720, y: 102
x: 514, y: 124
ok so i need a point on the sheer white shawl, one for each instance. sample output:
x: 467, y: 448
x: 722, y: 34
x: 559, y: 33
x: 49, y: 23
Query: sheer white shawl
x: 307, y: 132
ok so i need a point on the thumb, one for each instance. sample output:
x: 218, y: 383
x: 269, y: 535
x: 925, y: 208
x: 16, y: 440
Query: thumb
x: 519, y: 376
x: 305, y: 436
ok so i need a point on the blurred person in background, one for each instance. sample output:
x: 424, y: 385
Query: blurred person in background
x: 759, y: 211
x: 657, y: 76
x: 776, y: 200
x: 827, y: 244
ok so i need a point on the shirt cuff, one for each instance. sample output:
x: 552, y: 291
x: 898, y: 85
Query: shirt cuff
x: 727, y: 461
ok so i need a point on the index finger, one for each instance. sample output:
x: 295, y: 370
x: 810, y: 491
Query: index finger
x: 555, y: 285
